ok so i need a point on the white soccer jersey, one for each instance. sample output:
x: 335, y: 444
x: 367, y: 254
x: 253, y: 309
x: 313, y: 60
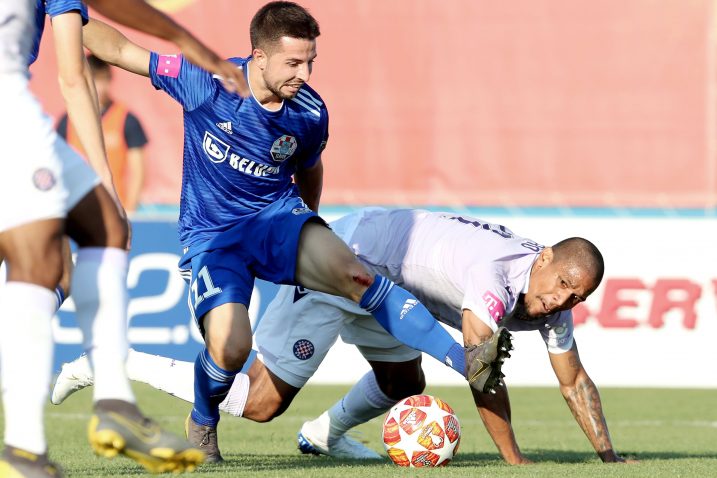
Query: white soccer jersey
x: 17, y: 29
x: 452, y: 262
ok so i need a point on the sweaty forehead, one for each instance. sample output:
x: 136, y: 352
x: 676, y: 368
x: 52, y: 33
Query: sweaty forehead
x: 577, y: 276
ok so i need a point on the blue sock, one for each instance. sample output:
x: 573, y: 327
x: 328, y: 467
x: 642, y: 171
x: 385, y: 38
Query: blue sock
x: 404, y: 317
x: 59, y: 296
x: 211, y: 385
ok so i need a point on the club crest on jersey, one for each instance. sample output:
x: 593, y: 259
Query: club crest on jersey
x: 216, y: 149
x: 283, y: 148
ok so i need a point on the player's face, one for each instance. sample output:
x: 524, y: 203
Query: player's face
x: 556, y: 286
x: 288, y: 66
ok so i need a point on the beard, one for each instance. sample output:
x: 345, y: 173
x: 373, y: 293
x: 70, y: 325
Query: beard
x: 280, y: 94
x: 521, y: 310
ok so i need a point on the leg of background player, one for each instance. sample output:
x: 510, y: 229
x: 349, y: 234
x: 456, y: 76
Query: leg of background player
x: 326, y: 264
x: 100, y: 294
x: 62, y: 290
x: 267, y: 397
x: 27, y: 302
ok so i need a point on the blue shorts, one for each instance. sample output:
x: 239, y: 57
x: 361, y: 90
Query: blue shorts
x: 262, y: 245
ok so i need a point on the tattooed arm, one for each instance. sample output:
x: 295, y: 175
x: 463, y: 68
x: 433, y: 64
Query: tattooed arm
x: 583, y: 398
x: 494, y: 409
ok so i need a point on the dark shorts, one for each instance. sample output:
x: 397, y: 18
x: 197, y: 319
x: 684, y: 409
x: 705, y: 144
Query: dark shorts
x: 262, y: 245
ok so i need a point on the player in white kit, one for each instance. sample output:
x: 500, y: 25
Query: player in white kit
x: 47, y: 191
x: 472, y: 275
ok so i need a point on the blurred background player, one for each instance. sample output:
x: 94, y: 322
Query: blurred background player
x: 241, y: 215
x: 48, y: 190
x: 123, y: 134
x: 474, y: 276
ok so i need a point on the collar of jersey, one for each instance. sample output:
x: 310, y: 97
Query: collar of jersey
x: 524, y: 290
x: 256, y: 103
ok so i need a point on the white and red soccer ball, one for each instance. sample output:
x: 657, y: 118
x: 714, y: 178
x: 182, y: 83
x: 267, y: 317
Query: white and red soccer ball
x: 421, y: 431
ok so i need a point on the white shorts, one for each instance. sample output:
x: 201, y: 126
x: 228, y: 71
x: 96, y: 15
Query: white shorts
x: 41, y: 176
x: 300, y: 326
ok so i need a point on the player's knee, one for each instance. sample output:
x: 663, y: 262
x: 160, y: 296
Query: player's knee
x: 402, y: 381
x: 45, y: 273
x: 354, y: 279
x: 264, y: 409
x: 267, y: 413
x: 405, y: 387
x: 117, y: 231
x: 228, y: 355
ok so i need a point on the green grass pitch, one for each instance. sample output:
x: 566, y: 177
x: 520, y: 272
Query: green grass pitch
x: 672, y: 432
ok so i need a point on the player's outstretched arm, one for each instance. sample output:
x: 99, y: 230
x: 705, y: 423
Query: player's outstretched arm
x: 583, y: 398
x: 79, y: 93
x: 494, y: 409
x: 108, y: 44
x: 139, y: 15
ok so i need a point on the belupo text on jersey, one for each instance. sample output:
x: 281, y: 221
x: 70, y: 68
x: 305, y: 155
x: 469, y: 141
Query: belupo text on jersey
x: 217, y: 151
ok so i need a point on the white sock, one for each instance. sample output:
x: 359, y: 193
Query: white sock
x: 99, y: 288
x: 174, y: 377
x: 362, y: 403
x: 235, y: 400
x: 25, y: 362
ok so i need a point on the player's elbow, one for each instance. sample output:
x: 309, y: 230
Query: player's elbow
x: 71, y: 80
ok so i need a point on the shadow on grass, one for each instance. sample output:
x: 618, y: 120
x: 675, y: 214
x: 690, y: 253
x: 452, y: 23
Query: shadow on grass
x: 569, y: 456
x: 240, y: 464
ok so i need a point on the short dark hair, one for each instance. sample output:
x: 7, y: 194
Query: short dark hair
x: 583, y: 253
x: 97, y: 65
x: 281, y: 19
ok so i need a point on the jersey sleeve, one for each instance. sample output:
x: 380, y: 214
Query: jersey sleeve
x: 486, y: 296
x: 558, y: 336
x: 320, y: 141
x: 188, y: 84
x: 54, y: 8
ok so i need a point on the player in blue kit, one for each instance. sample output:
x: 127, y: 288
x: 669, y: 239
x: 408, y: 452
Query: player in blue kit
x: 241, y: 216
x: 58, y: 193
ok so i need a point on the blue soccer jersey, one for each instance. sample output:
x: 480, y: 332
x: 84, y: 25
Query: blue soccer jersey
x: 239, y: 157
x: 53, y: 8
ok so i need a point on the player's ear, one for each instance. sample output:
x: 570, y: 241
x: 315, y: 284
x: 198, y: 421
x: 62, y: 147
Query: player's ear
x: 260, y: 58
x: 546, y: 256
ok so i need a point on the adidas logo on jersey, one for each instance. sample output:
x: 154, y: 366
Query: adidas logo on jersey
x: 410, y: 304
x: 225, y: 126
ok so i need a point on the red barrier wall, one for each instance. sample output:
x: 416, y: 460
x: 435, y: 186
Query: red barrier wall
x: 527, y: 102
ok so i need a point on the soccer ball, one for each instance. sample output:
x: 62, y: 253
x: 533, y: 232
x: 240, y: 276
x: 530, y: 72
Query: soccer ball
x: 421, y: 431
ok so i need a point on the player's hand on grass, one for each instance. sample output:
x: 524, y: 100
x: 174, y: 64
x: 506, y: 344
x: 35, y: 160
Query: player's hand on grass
x: 611, y: 457
x: 520, y: 460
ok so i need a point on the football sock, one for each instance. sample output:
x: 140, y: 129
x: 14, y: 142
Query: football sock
x: 362, y: 403
x: 237, y: 396
x: 25, y: 362
x: 99, y: 286
x: 59, y: 297
x: 174, y: 377
x: 211, y: 385
x: 404, y: 317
